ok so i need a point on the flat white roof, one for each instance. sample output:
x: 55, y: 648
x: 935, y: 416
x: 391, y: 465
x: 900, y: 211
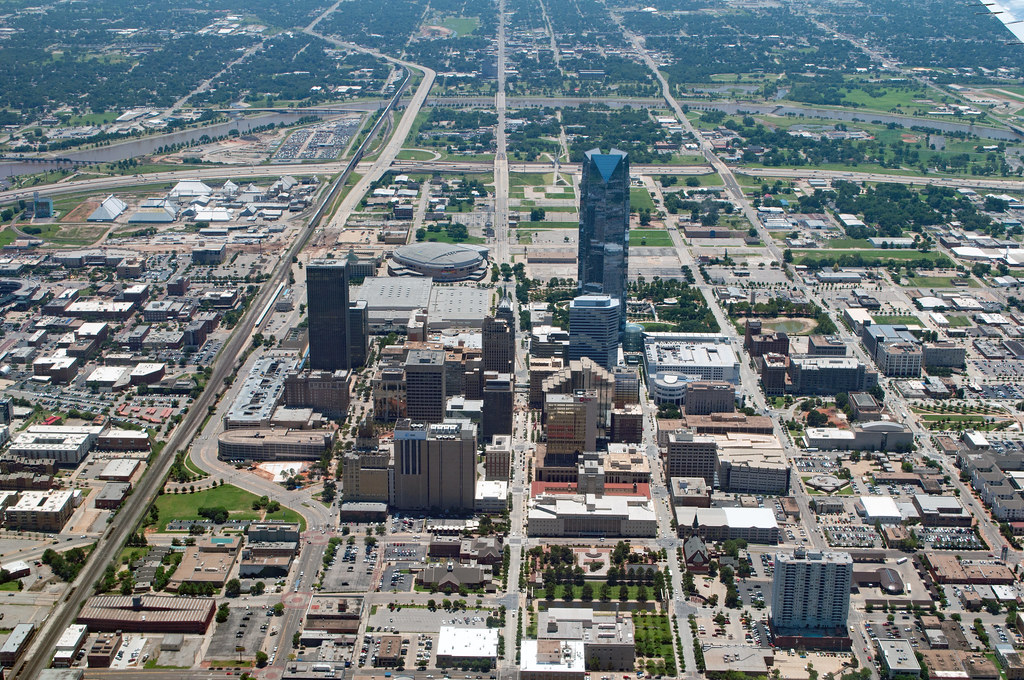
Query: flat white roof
x: 880, y: 506
x: 552, y: 656
x: 468, y: 642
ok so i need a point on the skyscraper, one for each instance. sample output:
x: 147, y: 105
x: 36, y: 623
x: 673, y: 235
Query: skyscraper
x: 811, y: 591
x: 435, y: 466
x: 327, y: 304
x: 499, y: 338
x: 425, y: 393
x: 594, y: 329
x: 499, y: 400
x: 604, y: 226
x: 358, y: 332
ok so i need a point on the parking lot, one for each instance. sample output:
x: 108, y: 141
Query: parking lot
x: 351, y: 571
x: 397, y: 577
x: 950, y: 538
x: 852, y: 536
x: 244, y: 628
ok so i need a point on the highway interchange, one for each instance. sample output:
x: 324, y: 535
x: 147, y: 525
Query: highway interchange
x: 320, y: 519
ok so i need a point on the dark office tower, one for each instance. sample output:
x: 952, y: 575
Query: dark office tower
x: 499, y: 345
x: 327, y: 304
x: 358, y: 333
x: 425, y: 385
x: 604, y: 226
x: 498, y: 405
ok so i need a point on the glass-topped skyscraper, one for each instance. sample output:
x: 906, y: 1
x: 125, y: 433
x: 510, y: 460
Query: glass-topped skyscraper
x: 604, y: 226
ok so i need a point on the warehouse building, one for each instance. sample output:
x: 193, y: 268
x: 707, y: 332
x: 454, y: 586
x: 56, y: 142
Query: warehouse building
x: 147, y: 614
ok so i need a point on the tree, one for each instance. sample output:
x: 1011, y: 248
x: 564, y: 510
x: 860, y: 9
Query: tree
x: 537, y: 215
x: 258, y: 588
x: 233, y: 588
x: 787, y: 255
x: 816, y: 418
x: 279, y: 609
x: 261, y: 659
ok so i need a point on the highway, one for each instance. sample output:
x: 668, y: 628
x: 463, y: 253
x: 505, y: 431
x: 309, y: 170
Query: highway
x: 38, y: 655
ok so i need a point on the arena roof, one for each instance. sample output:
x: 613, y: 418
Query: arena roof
x: 441, y: 255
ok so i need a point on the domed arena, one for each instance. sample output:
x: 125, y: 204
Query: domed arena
x: 440, y: 261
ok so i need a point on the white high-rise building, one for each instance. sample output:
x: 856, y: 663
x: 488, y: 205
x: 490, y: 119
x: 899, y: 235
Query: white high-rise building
x: 594, y: 329
x: 811, y: 590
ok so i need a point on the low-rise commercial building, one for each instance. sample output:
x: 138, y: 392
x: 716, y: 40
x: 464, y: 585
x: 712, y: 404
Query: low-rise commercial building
x: 754, y: 525
x: 260, y: 445
x: 41, y: 511
x: 69, y: 644
x: 104, y: 649
x: 591, y: 515
x: 552, y: 660
x: 147, y: 614
x: 16, y: 644
x: 337, y: 614
x: 608, y: 637
x: 458, y: 645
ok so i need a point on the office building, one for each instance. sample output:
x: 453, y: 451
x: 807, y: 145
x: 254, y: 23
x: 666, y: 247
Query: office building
x: 691, y: 455
x: 674, y: 360
x: 41, y: 510
x: 499, y: 337
x: 826, y: 346
x: 608, y: 637
x: 571, y: 423
x: 435, y: 466
x: 273, y: 444
x: 758, y: 343
x: 498, y: 404
x: 754, y: 525
x: 627, y: 386
x: 366, y: 476
x: 707, y: 397
x: 425, y: 394
x: 628, y: 424
x: 591, y: 515
x: 585, y: 374
x: 328, y: 309
x: 825, y: 375
x: 498, y: 458
x: 542, y: 368
x: 16, y: 643
x: 811, y: 591
x: 594, y: 329
x: 324, y: 391
x: 499, y: 345
x: 894, y: 348
x: 358, y: 333
x: 604, y: 227
x: 553, y: 659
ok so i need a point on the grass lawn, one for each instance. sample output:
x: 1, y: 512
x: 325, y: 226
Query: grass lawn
x: 75, y: 235
x: 958, y: 321
x: 414, y: 155
x: 461, y: 25
x: 528, y: 179
x: 287, y: 515
x: 10, y: 585
x: 185, y: 506
x: 545, y: 224
x: 653, y: 238
x: 847, y: 243
x: 938, y: 282
x: 7, y: 237
x: 897, y: 319
x: 640, y: 199
x: 882, y: 255
x: 443, y: 237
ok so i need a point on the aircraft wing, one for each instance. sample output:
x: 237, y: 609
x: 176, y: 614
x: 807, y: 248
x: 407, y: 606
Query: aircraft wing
x: 1011, y: 13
